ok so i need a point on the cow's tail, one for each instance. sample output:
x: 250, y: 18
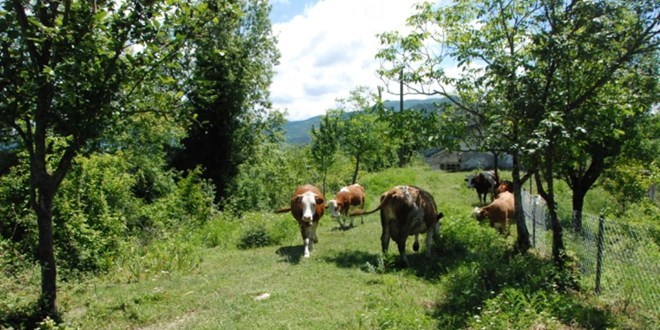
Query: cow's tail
x: 286, y: 209
x: 363, y: 212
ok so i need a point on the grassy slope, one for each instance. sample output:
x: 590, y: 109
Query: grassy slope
x: 330, y: 290
x: 334, y: 289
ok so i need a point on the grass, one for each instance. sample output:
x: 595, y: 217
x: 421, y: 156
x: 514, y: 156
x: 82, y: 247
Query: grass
x: 473, y: 281
x: 330, y: 290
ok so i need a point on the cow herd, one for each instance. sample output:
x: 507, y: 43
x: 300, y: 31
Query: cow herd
x: 404, y: 211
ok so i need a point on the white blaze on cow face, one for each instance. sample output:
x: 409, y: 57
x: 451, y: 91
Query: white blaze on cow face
x: 334, y: 208
x: 308, y: 201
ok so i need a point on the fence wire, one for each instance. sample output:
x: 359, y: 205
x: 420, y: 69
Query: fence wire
x: 630, y: 255
x: 630, y: 263
x: 536, y: 214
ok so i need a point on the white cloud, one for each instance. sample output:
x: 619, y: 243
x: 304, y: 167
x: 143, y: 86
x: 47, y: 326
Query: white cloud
x: 330, y: 49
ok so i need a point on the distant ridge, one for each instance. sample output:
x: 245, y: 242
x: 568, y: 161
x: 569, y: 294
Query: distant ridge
x: 298, y: 132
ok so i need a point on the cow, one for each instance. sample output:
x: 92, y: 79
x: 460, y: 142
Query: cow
x: 484, y: 183
x: 346, y: 198
x: 307, y: 207
x: 504, y: 185
x: 406, y: 211
x: 500, y: 212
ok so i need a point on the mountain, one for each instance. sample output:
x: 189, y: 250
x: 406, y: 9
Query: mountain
x: 298, y: 132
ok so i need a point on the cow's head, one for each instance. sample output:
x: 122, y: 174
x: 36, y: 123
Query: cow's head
x: 470, y: 180
x: 308, y: 201
x: 480, y: 213
x: 477, y: 213
x: 334, y: 206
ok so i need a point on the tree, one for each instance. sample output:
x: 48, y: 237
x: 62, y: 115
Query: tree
x: 325, y: 143
x: 69, y: 72
x: 234, y: 55
x: 485, y: 39
x: 534, y: 73
x: 362, y: 134
x: 630, y: 178
x: 411, y: 131
x: 603, y: 57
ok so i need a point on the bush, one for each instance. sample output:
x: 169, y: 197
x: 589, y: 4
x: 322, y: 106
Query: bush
x: 255, y: 237
x: 263, y: 230
x: 90, y: 211
x: 269, y: 178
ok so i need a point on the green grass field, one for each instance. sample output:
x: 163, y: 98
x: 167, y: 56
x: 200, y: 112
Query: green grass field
x: 474, y: 280
x: 333, y: 289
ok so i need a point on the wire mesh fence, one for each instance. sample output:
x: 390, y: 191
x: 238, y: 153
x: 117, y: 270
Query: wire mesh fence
x: 628, y: 269
x: 621, y: 261
x: 536, y: 211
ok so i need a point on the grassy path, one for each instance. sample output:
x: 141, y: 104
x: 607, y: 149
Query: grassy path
x: 333, y: 289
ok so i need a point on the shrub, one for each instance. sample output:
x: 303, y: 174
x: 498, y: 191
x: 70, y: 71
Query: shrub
x: 255, y: 237
x: 221, y: 231
x: 90, y: 212
x: 263, y: 230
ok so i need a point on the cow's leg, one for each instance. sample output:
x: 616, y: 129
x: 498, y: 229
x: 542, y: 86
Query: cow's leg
x: 385, y: 236
x: 401, y: 244
x: 308, y: 240
x: 340, y: 221
x: 316, y: 238
x: 429, y: 238
x: 351, y: 221
x: 362, y: 216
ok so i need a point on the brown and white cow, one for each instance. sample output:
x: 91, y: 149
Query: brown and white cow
x: 405, y: 211
x: 307, y: 207
x: 346, y: 198
x: 504, y: 185
x: 499, y: 213
x: 484, y: 183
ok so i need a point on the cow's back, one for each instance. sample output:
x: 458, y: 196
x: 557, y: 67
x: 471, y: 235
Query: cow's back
x: 356, y: 194
x: 502, y: 208
x: 407, y: 207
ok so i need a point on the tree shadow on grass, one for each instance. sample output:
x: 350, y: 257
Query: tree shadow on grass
x: 291, y: 254
x: 24, y: 316
x: 352, y: 259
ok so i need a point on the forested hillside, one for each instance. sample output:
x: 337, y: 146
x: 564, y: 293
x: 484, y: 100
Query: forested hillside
x: 299, y: 132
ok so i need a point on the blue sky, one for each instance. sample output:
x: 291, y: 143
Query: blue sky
x: 285, y: 10
x: 328, y: 48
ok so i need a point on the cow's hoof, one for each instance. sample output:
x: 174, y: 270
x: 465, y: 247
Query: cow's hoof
x: 415, y: 246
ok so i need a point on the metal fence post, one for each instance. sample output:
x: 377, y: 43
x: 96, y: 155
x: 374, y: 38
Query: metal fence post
x: 533, y: 220
x: 599, y: 255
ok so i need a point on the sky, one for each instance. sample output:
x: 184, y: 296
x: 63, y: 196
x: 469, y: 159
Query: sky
x: 328, y: 48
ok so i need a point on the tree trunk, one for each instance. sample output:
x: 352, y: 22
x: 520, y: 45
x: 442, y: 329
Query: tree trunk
x: 523, y: 242
x: 42, y: 204
x: 578, y: 203
x: 357, y: 167
x: 558, y: 249
x: 581, y: 182
x: 496, y: 165
x: 43, y: 187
